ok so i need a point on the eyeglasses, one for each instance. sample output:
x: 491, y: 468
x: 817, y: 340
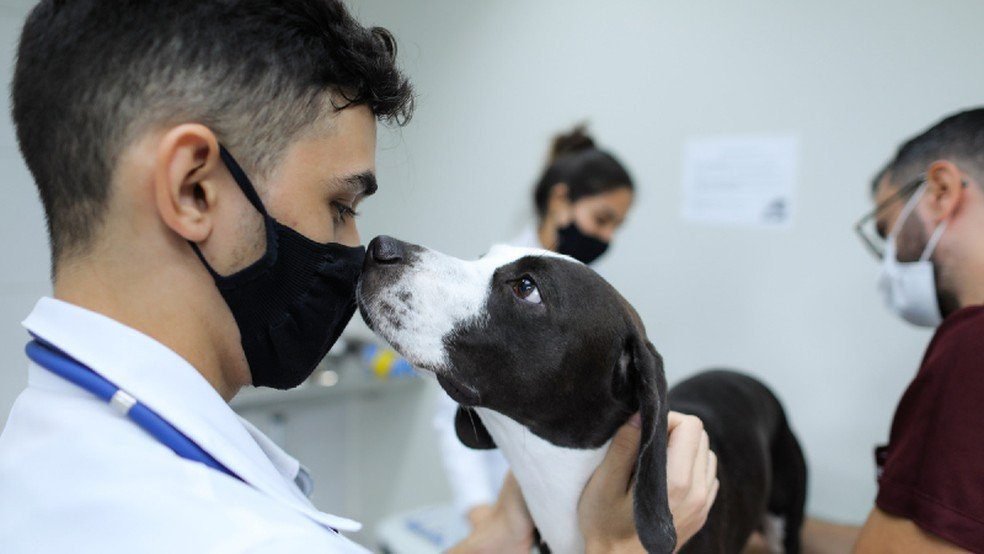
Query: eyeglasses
x: 867, y: 226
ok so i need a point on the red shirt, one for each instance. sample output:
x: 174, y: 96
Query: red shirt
x: 932, y: 470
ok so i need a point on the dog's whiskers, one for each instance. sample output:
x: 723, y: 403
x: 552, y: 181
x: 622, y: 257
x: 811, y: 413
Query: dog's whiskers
x: 471, y: 417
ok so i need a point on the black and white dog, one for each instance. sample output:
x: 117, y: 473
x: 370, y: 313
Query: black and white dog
x: 552, y: 360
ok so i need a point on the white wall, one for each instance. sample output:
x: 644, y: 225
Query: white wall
x: 797, y: 307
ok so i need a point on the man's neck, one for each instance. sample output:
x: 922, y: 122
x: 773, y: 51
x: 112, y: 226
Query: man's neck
x: 966, y: 259
x: 159, y: 303
x: 972, y: 293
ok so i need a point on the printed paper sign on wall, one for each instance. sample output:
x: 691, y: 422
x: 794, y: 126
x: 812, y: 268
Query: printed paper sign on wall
x: 740, y: 180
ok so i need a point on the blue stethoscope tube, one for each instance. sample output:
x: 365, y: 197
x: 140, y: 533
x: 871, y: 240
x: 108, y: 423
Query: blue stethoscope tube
x: 61, y: 364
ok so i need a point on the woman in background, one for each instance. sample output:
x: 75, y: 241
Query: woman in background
x: 581, y: 199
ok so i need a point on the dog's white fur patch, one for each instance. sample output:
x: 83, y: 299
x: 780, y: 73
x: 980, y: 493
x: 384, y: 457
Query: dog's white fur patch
x: 435, y: 295
x: 551, y: 477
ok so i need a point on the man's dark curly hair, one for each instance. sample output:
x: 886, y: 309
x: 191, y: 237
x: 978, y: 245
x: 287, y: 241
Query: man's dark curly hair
x: 94, y: 75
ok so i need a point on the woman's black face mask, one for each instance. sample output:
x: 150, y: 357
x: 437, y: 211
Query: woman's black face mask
x: 571, y: 241
x: 292, y: 304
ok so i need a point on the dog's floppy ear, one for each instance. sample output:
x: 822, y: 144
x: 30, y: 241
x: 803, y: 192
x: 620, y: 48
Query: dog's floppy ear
x: 471, y: 431
x: 654, y: 522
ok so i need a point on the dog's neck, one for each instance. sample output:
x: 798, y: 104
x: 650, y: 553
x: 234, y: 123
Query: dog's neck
x: 551, y: 477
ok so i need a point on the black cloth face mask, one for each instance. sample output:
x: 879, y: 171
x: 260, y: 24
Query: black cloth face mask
x: 571, y: 241
x: 293, y: 303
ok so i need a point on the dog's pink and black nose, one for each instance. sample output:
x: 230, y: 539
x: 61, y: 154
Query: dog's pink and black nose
x: 386, y: 250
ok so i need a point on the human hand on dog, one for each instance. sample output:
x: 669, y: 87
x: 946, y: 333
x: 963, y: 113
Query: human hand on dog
x: 504, y: 528
x: 691, y: 474
x: 478, y: 513
x: 605, y: 512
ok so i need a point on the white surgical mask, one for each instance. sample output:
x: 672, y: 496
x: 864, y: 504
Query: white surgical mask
x: 909, y: 288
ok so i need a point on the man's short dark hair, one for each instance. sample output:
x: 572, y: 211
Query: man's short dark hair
x: 958, y: 138
x: 93, y: 75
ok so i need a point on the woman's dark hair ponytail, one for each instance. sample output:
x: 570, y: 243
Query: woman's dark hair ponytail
x: 576, y: 161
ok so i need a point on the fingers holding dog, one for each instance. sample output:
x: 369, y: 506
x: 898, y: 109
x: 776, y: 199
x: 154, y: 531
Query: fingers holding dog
x: 605, y: 510
x: 698, y: 478
x: 621, y: 457
x: 710, y: 475
x: 691, y: 469
x: 684, y: 444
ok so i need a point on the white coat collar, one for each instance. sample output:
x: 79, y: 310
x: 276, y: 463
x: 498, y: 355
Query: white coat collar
x: 166, y: 383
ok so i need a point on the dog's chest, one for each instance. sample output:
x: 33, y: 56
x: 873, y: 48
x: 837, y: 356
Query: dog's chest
x: 551, y: 477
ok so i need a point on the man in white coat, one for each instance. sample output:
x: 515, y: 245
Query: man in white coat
x: 183, y: 272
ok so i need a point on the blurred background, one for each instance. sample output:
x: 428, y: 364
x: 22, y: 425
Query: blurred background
x: 842, y: 82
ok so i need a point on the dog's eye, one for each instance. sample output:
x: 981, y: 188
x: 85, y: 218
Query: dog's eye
x: 525, y: 289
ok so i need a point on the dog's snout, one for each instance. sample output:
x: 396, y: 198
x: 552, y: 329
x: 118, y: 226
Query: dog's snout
x: 386, y: 250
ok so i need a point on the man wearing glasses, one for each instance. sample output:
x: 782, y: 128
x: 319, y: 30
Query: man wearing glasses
x: 928, y: 231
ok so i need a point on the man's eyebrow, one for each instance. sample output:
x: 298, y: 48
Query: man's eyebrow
x: 363, y: 184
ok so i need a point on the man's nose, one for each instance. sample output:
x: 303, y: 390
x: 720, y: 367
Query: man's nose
x: 386, y: 250
x: 349, y: 237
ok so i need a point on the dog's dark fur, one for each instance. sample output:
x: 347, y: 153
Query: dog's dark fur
x: 761, y: 466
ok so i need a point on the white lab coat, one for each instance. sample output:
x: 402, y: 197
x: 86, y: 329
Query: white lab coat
x: 76, y: 476
x: 475, y: 476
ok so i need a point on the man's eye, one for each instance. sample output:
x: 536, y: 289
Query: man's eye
x: 525, y: 289
x: 343, y: 211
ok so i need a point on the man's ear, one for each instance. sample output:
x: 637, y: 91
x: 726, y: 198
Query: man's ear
x: 945, y: 185
x: 471, y: 431
x: 187, y: 175
x: 654, y: 522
